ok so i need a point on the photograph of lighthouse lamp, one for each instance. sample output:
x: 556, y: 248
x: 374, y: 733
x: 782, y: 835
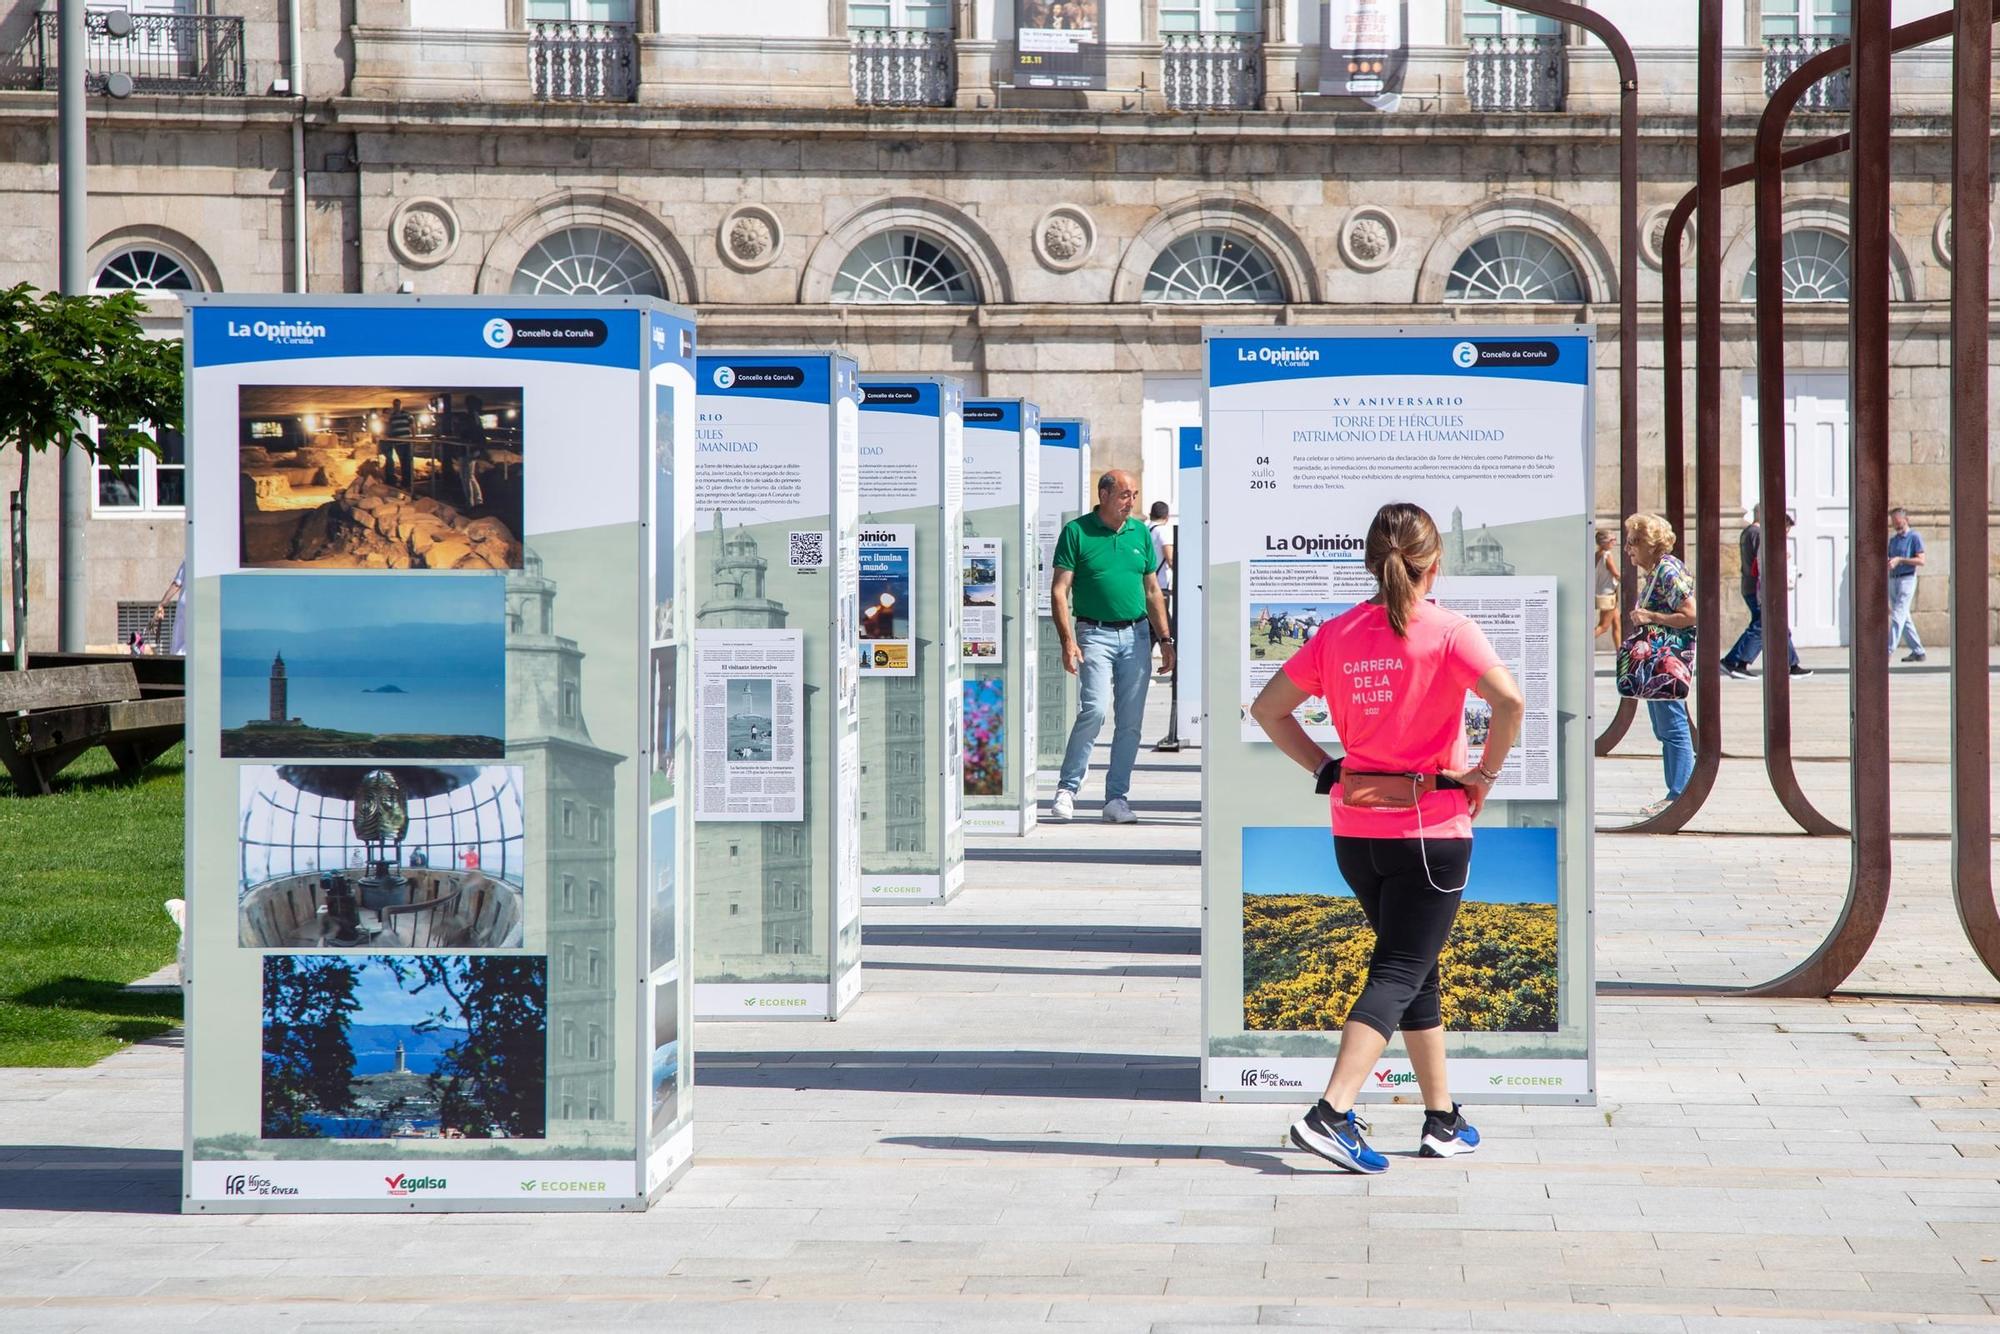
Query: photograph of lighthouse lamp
x: 357, y: 666
x: 397, y: 857
x: 1306, y: 941
x: 409, y: 1046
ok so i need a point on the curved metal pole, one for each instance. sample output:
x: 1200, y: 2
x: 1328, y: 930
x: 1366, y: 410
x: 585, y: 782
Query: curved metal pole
x: 1628, y: 292
x: 1868, y: 323
x: 1971, y: 320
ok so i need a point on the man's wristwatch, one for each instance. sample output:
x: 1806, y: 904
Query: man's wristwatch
x: 1167, y: 640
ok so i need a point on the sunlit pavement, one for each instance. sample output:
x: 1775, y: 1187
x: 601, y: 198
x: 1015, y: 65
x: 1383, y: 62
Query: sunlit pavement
x: 1005, y: 1130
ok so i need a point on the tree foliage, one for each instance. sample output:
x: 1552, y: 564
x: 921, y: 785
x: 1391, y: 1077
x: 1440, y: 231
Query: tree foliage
x: 66, y: 358
x: 1305, y: 959
x: 495, y: 1081
x: 309, y: 1002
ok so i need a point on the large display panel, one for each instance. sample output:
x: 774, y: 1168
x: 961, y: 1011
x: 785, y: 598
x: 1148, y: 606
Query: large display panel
x: 1308, y: 432
x: 912, y: 476
x: 1190, y: 572
x: 998, y: 626
x: 1066, y: 492
x: 422, y: 913
x: 776, y: 785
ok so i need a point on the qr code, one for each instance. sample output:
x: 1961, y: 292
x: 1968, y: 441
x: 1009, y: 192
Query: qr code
x: 808, y: 551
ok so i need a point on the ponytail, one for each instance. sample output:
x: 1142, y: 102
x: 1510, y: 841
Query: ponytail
x: 1403, y: 547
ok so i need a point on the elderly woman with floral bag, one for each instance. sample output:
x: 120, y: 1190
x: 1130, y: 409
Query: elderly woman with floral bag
x: 1656, y: 661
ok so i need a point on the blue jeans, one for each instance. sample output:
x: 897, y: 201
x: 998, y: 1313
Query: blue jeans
x: 1751, y: 642
x: 1902, y: 592
x: 1670, y: 725
x: 1117, y: 666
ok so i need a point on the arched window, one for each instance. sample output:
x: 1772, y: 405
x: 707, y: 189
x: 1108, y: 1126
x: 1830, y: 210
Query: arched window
x: 145, y: 269
x: 1814, y: 268
x: 1513, y: 265
x: 1214, y: 266
x: 903, y: 267
x: 586, y: 261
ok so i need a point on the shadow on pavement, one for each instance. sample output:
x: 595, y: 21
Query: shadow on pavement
x: 1191, y: 972
x: 1039, y: 936
x: 1266, y: 1164
x: 1097, y: 856
x: 72, y: 1178
x: 1028, y: 1074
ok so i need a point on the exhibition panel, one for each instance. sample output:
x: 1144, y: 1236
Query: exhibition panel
x: 1307, y: 433
x: 1065, y: 493
x: 421, y: 590
x: 1190, y: 572
x: 912, y: 477
x: 997, y: 630
x: 777, y: 677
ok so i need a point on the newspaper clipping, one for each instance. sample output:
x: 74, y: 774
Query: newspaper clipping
x: 751, y: 760
x: 981, y: 627
x: 888, y: 600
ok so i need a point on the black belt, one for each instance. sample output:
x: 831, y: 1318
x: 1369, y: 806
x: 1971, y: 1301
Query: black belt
x: 1109, y: 625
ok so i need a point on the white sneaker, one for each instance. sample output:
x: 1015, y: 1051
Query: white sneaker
x: 1119, y: 811
x: 1063, y: 809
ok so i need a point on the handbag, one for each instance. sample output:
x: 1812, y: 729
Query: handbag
x: 1657, y: 661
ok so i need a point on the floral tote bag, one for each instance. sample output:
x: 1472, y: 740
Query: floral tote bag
x: 1656, y: 662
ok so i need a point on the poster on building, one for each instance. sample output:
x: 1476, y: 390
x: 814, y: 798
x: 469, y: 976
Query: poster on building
x: 423, y: 749
x: 1059, y: 44
x: 1308, y: 433
x: 979, y: 599
x: 774, y: 697
x: 1189, y: 561
x: 887, y: 630
x: 1366, y: 51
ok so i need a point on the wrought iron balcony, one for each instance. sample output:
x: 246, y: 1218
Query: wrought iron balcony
x: 1523, y: 72
x: 583, y: 62
x: 1212, y: 71
x: 1783, y: 56
x: 902, y: 67
x: 198, y: 54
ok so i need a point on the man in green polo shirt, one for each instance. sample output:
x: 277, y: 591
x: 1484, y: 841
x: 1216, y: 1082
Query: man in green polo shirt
x: 1108, y: 612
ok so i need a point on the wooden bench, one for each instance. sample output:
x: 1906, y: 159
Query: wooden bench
x: 51, y: 715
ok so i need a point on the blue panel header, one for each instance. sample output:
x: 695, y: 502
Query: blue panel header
x: 993, y: 414
x: 673, y: 339
x: 1065, y: 432
x: 916, y: 397
x: 1263, y: 358
x: 227, y: 336
x: 807, y: 378
x: 1190, y: 447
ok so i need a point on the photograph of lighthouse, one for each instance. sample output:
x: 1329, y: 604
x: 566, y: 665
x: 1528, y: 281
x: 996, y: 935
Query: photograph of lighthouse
x: 338, y: 666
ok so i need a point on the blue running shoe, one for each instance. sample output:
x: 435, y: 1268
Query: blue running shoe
x: 1446, y: 1135
x: 1336, y: 1137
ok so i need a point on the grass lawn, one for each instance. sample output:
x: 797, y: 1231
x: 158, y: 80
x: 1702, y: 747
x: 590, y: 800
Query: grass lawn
x: 83, y: 875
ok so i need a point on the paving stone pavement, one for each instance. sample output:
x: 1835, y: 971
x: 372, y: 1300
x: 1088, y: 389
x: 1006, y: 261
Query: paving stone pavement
x: 1004, y: 1132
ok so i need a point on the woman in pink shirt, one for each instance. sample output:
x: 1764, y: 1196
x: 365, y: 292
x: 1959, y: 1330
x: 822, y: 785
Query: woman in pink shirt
x: 1394, y: 672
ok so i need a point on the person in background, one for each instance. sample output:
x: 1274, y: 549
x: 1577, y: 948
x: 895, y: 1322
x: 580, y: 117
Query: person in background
x: 1605, y: 566
x: 1108, y: 613
x: 1666, y: 599
x: 1394, y: 672
x: 401, y: 427
x: 1750, y: 547
x: 1906, y: 557
x: 1161, y: 531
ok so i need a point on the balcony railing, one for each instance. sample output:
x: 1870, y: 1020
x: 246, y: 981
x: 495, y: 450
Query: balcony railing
x: 200, y: 54
x: 1212, y: 71
x: 1521, y: 72
x: 902, y: 67
x: 583, y: 62
x: 1783, y: 56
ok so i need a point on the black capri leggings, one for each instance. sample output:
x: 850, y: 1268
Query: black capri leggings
x: 1411, y: 920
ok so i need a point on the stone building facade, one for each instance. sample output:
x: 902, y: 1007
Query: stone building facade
x: 869, y: 175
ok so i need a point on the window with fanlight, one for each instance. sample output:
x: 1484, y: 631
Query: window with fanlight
x: 1514, y: 265
x: 1814, y: 265
x: 145, y: 269
x: 1214, y: 266
x: 904, y: 267
x: 586, y: 261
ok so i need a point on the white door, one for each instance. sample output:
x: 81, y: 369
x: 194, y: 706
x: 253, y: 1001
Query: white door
x: 1816, y: 459
x: 1172, y: 401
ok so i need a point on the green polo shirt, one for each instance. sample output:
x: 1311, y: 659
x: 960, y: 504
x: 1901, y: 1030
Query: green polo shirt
x: 1110, y: 567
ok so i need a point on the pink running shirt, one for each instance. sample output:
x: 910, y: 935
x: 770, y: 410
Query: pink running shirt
x: 1398, y: 705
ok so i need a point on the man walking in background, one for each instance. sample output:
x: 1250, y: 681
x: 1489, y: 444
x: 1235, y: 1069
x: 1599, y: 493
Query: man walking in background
x: 1750, y: 643
x: 1161, y: 532
x: 1906, y: 557
x: 1108, y: 611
